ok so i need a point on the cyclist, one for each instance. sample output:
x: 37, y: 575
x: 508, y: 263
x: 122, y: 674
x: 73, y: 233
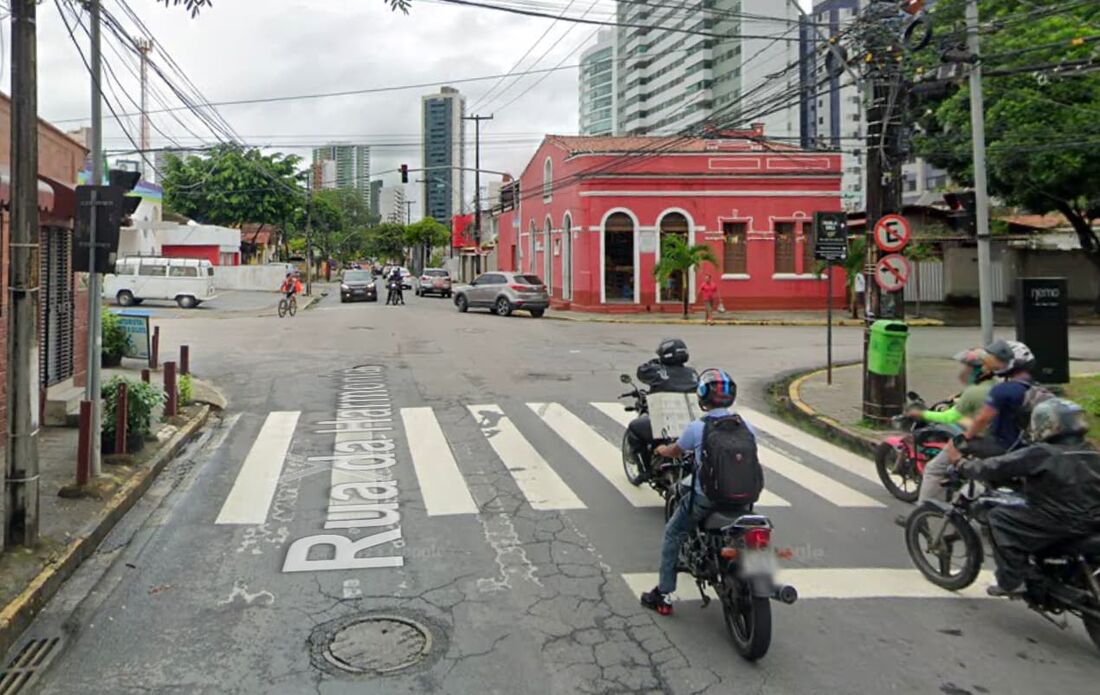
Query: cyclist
x: 292, y: 285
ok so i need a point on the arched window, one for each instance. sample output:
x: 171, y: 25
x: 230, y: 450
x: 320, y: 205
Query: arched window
x: 547, y: 180
x: 567, y: 257
x: 618, y: 258
x: 547, y: 255
x: 531, y: 246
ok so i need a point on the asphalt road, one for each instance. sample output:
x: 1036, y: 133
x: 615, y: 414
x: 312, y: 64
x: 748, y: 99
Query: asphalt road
x: 486, y: 516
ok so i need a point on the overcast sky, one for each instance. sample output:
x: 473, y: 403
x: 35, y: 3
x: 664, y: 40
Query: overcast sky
x: 241, y: 49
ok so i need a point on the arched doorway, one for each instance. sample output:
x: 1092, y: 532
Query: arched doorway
x: 618, y: 258
x: 548, y: 257
x: 567, y: 257
x: 673, y: 289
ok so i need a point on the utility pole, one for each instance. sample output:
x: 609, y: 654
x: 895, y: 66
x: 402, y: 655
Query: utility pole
x: 981, y: 192
x: 477, y: 184
x: 92, y: 388
x: 309, y: 237
x: 144, y: 47
x: 20, y: 499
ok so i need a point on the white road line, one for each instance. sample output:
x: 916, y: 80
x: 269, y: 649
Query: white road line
x: 818, y: 483
x: 536, y: 479
x: 840, y: 583
x: 615, y: 412
x: 842, y: 458
x: 254, y: 488
x: 441, y: 484
x: 601, y: 454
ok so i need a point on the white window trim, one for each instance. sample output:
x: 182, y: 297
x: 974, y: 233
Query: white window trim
x: 736, y: 276
x: 548, y: 180
x: 797, y: 276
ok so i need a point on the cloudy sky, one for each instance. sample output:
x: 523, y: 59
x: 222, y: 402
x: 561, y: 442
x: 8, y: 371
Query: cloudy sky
x: 244, y: 49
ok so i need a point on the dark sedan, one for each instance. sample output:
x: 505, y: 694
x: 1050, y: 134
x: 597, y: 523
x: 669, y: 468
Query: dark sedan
x: 358, y: 284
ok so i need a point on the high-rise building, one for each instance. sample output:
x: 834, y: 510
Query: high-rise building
x: 375, y: 199
x: 351, y: 167
x: 391, y: 204
x: 669, y: 81
x: 443, y: 153
x: 596, y: 86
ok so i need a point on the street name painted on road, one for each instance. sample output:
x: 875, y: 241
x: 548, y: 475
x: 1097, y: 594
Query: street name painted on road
x: 364, y: 493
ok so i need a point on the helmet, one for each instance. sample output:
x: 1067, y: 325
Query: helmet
x: 1012, y: 354
x: 1057, y: 417
x: 716, y: 389
x: 672, y: 352
x: 975, y: 359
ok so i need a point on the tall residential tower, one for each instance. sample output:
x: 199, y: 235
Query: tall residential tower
x: 351, y: 164
x: 443, y: 154
x: 596, y: 86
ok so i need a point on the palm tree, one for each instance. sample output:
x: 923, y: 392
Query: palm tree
x: 679, y: 258
x: 853, y: 266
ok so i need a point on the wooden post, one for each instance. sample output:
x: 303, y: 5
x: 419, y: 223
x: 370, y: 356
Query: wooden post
x: 172, y: 406
x: 122, y: 407
x: 153, y: 355
x: 84, y: 444
x: 185, y: 359
x: 145, y: 375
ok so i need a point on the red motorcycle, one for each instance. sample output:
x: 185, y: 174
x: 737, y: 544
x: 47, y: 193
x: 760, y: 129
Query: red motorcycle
x: 900, y: 458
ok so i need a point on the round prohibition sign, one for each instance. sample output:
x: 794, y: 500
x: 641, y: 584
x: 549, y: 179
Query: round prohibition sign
x: 892, y: 233
x: 892, y: 272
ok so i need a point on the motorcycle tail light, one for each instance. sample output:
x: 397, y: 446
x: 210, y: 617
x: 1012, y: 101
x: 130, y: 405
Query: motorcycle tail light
x: 728, y: 553
x: 758, y: 538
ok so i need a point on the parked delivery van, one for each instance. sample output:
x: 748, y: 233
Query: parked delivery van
x: 186, y: 281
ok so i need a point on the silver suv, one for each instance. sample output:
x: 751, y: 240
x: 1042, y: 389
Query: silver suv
x: 503, y: 293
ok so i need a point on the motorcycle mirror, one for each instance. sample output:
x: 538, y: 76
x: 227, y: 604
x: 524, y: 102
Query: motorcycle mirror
x: 625, y: 378
x: 912, y: 395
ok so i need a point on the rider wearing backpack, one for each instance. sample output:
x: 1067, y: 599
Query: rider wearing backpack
x: 728, y: 476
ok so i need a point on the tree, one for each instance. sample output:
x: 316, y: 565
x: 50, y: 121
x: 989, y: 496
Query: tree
x: 1042, y: 130
x: 386, y: 242
x: 678, y: 257
x: 232, y: 185
x: 427, y: 234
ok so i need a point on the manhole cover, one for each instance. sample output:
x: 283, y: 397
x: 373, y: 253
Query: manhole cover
x: 379, y: 644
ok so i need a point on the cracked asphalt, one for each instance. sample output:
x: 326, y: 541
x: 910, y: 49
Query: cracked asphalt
x: 517, y: 600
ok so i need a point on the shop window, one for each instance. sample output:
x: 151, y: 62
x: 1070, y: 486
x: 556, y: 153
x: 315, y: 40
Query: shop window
x: 735, y: 257
x: 784, y: 247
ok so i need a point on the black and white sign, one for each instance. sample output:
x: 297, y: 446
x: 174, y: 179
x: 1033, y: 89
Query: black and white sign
x: 831, y: 236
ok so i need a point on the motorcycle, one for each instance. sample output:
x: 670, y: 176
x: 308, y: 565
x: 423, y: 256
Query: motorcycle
x: 900, y: 458
x: 662, y: 474
x: 1067, y: 577
x: 732, y: 555
x: 394, y: 294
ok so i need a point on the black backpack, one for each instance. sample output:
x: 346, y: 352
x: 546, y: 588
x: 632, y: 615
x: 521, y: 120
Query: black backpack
x: 730, y: 474
x: 1036, y: 394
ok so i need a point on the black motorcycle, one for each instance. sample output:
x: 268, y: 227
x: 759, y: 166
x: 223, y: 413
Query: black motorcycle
x: 732, y: 555
x: 395, y: 295
x: 662, y: 474
x: 946, y: 548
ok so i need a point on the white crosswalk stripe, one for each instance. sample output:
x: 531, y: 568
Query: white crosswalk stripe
x: 538, y: 482
x: 254, y: 488
x: 615, y: 411
x: 441, y: 484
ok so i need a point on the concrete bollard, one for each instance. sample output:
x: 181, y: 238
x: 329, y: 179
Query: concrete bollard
x: 84, y: 445
x: 145, y: 375
x: 185, y: 359
x: 170, y: 389
x: 154, y: 353
x: 122, y: 412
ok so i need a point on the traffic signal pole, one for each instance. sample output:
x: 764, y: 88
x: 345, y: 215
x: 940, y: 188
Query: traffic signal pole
x: 981, y: 192
x: 92, y: 388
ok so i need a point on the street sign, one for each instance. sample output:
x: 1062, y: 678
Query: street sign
x: 138, y: 334
x: 831, y: 236
x: 105, y: 204
x: 892, y: 272
x: 892, y: 233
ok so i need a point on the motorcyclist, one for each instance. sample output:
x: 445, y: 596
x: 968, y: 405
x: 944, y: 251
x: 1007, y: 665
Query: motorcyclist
x: 668, y: 373
x: 1060, y: 475
x: 396, y: 295
x: 977, y: 380
x: 717, y: 392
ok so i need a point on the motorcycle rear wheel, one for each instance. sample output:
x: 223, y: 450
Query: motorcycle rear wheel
x: 920, y: 538
x: 632, y: 463
x: 748, y: 619
x: 903, y: 484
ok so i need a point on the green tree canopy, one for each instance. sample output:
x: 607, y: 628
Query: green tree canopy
x: 427, y: 232
x: 386, y: 242
x: 232, y: 185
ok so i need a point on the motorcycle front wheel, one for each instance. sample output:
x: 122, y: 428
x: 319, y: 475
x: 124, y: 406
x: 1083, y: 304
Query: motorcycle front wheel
x: 748, y: 618
x: 1092, y: 626
x: 946, y: 550
x: 898, y: 474
x: 632, y: 462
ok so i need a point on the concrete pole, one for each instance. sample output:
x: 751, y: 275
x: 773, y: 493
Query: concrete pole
x: 92, y: 389
x: 309, y: 237
x: 981, y: 192
x: 20, y: 499
x: 477, y: 185
x: 145, y: 46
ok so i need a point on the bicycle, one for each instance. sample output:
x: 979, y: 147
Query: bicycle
x: 288, y: 305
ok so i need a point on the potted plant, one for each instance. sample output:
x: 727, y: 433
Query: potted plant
x: 115, y: 340
x: 142, y: 399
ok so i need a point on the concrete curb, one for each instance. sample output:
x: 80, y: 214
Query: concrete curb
x: 789, y: 400
x: 848, y: 323
x: 18, y: 615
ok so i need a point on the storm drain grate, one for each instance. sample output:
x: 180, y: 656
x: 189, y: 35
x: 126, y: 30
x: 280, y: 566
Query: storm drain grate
x: 378, y: 644
x: 25, y: 667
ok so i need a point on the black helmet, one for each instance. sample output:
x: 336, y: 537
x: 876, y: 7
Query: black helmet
x: 716, y: 389
x: 1057, y: 417
x: 672, y: 352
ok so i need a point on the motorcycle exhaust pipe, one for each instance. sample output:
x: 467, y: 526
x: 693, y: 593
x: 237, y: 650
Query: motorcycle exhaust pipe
x: 785, y: 593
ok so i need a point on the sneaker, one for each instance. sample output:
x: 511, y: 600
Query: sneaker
x: 656, y: 601
x: 998, y: 591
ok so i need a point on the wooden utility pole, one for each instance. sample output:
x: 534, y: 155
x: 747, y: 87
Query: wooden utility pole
x: 477, y: 185
x: 20, y: 512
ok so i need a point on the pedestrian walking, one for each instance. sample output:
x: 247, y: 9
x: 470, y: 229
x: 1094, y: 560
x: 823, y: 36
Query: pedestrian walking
x: 859, y: 294
x: 708, y: 293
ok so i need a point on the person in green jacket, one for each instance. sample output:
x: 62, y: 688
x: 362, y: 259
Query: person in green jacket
x: 977, y: 380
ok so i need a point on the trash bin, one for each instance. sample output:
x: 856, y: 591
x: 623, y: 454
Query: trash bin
x: 886, y: 351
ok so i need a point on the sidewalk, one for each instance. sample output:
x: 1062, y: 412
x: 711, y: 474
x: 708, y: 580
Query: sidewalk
x: 729, y: 318
x: 838, y: 408
x: 70, y: 528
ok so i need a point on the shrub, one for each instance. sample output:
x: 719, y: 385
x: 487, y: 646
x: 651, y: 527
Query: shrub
x: 115, y: 340
x: 187, y: 390
x: 142, y: 399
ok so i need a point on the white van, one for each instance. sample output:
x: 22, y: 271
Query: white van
x: 186, y: 281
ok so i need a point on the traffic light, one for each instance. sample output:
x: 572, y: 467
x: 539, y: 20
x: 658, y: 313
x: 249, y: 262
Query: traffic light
x: 127, y: 181
x: 111, y: 208
x: 404, y: 169
x: 963, y: 211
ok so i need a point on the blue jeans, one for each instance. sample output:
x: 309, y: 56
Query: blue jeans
x: 692, y: 509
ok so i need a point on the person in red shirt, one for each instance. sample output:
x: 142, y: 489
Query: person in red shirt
x: 292, y: 285
x: 708, y: 293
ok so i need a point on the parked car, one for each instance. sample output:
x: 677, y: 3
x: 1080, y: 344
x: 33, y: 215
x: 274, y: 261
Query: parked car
x: 502, y: 293
x: 434, y: 281
x: 186, y: 281
x: 358, y: 284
